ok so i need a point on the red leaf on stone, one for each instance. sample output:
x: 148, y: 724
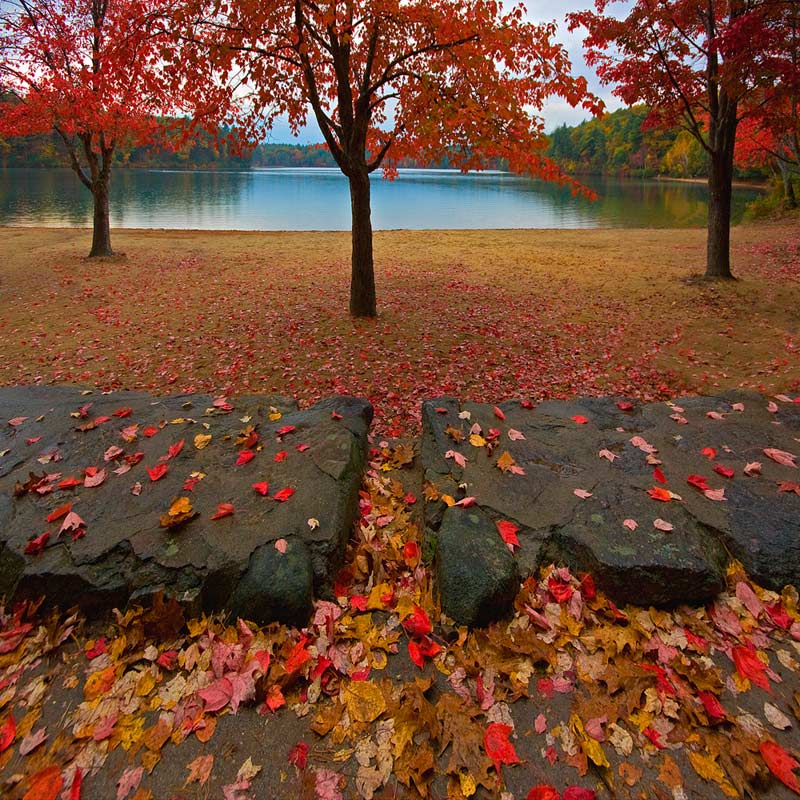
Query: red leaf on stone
x: 726, y: 472
x: 223, y: 510
x: 71, y: 523
x: 335, y: 415
x: 149, y: 431
x: 418, y: 623
x: 419, y: 650
x: 286, y: 429
x: 508, y: 532
x: 579, y: 419
x: 301, y: 448
x: 8, y: 730
x: 262, y: 488
x: 624, y: 405
x: 750, y: 666
x: 712, y: 705
x: 122, y: 412
x: 543, y: 792
x: 69, y: 483
x: 61, y: 511
x: 698, y: 481
x: 781, y: 764
x: 709, y: 452
x: 245, y: 457
x: 789, y: 486
x: 157, y: 472
x: 579, y: 793
x: 499, y: 413
x: 94, y: 477
x: 284, y: 494
x: 497, y: 745
x: 662, y: 495
x: 175, y: 449
x: 33, y: 440
x: 281, y: 456
x: 659, y: 476
x: 298, y: 755
x: 781, y: 457
x: 36, y: 546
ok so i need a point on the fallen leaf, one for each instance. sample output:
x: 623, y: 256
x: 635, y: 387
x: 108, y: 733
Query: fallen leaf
x: 781, y: 457
x: 284, y: 494
x: 223, y: 510
x: 781, y: 764
x: 663, y: 525
x: 497, y: 745
x: 200, y: 769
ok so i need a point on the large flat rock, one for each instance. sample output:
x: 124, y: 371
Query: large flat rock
x: 317, y: 452
x: 756, y: 522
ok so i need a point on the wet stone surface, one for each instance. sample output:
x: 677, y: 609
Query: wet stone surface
x: 266, y: 560
x: 672, y: 550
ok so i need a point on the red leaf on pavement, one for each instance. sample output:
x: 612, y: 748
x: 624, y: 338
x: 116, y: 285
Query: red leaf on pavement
x: 624, y: 405
x: 223, y: 510
x: 497, y: 745
x: 281, y: 456
x: 122, y: 412
x: 174, y: 449
x: 77, y: 782
x: 579, y: 793
x: 71, y: 523
x: 94, y: 477
x: 284, y: 494
x: 781, y: 457
x: 579, y: 419
x: 726, y: 472
x: 157, y: 472
x: 709, y: 452
x: 659, y: 476
x: 712, y: 705
x: 69, y: 483
x: 499, y: 413
x: 419, y: 650
x: 662, y: 495
x: 781, y: 764
x: 262, y: 488
x: 698, y: 481
x: 286, y: 429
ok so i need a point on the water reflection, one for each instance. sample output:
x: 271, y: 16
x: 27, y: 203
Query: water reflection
x: 318, y: 199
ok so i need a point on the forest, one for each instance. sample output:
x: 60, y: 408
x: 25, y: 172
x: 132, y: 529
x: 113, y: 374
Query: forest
x: 616, y: 144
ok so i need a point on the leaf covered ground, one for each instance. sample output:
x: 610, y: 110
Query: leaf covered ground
x: 380, y: 697
x: 483, y: 315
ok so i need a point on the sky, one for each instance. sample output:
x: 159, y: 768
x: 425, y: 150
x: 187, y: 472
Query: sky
x: 556, y: 112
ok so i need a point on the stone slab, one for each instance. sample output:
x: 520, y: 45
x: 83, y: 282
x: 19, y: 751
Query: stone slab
x: 125, y: 551
x: 755, y: 523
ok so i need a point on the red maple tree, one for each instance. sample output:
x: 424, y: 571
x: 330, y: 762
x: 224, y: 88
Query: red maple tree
x: 384, y: 80
x: 701, y: 64
x: 88, y: 70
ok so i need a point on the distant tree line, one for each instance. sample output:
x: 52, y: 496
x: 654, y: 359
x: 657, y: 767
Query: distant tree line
x: 620, y: 144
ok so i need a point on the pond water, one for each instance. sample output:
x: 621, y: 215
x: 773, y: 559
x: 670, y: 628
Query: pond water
x: 318, y: 199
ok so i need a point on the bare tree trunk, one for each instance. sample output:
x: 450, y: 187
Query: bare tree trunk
x: 789, y: 199
x: 720, y: 191
x: 362, y: 282
x: 101, y: 232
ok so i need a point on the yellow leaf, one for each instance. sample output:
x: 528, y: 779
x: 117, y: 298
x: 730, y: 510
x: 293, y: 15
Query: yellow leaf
x: 476, y: 440
x: 380, y: 590
x: 364, y: 700
x: 468, y: 785
x: 447, y: 500
x: 274, y: 414
x: 506, y: 461
x: 99, y: 683
x: 706, y: 767
x: 202, y: 440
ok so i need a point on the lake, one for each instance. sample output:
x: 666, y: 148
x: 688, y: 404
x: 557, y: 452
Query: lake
x: 318, y: 199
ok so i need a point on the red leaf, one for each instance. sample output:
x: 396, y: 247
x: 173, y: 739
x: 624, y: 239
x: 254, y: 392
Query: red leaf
x: 61, y: 511
x: 175, y: 449
x: 94, y: 477
x: 298, y: 755
x: 223, y: 510
x: 726, y: 472
x: 122, y: 412
x: 297, y: 657
x: 624, y: 405
x: 244, y: 457
x: 698, y: 481
x: 284, y: 494
x: 150, y: 431
x: 36, y: 546
x: 418, y: 623
x: 69, y: 483
x: 750, y: 666
x: 262, y: 488
x: 658, y: 476
x: 280, y: 456
x: 709, y: 452
x: 579, y: 793
x: 77, y: 782
x: 579, y: 419
x: 8, y: 730
x: 286, y: 429
x: 301, y: 448
x: 157, y: 472
x: 543, y: 792
x: 419, y: 650
x: 499, y: 413
x: 497, y: 745
x: 508, y: 532
x: 335, y: 415
x: 45, y: 785
x: 781, y: 764
x: 662, y: 495
x: 712, y: 706
x: 560, y: 590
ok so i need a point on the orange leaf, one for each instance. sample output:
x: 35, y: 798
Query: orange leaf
x: 45, y: 785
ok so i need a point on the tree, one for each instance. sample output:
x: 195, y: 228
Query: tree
x: 86, y: 69
x: 384, y: 80
x: 701, y: 64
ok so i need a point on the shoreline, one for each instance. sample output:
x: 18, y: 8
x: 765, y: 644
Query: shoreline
x: 703, y: 181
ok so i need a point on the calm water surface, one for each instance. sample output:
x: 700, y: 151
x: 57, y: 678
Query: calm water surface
x: 318, y: 199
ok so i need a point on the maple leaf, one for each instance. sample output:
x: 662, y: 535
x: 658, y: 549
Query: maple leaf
x: 457, y: 457
x: 418, y: 623
x: 497, y: 745
x: 543, y: 792
x: 36, y: 546
x: 244, y: 457
x: 180, y: 512
x: 781, y: 457
x: 284, y: 494
x: 129, y: 781
x: 200, y: 769
x: 579, y: 419
x: 657, y: 493
x: 788, y: 486
x: 508, y: 532
x: 94, y: 477
x: 8, y: 731
x: 298, y: 755
x: 750, y: 666
x: 582, y: 493
x: 420, y: 649
x: 506, y: 463
x: 262, y: 488
x: 223, y: 510
x: 45, y: 784
x: 157, y: 472
x: 780, y: 764
x: 663, y: 525
x: 72, y: 522
x: 286, y: 429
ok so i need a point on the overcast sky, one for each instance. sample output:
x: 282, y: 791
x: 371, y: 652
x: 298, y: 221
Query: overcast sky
x: 555, y: 113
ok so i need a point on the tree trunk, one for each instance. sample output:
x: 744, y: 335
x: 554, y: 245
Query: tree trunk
x: 720, y: 190
x: 789, y: 199
x: 101, y: 233
x: 362, y: 281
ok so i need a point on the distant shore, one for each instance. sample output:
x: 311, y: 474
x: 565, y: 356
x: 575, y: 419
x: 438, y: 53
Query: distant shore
x: 704, y: 181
